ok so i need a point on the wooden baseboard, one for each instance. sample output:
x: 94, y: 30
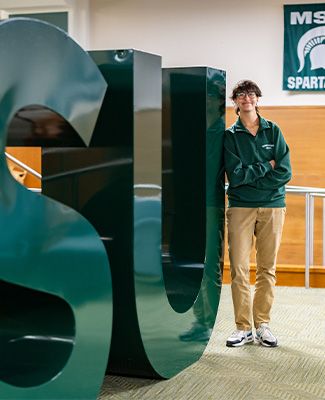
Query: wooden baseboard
x: 288, y: 275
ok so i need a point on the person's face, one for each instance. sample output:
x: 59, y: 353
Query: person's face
x: 246, y: 101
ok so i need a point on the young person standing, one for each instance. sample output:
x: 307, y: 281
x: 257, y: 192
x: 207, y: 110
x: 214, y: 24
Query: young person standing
x: 257, y: 165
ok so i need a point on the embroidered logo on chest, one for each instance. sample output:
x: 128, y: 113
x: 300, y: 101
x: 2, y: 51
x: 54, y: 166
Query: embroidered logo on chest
x: 268, y: 146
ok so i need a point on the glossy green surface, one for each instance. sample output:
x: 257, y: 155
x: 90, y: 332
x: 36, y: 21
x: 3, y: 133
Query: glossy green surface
x: 185, y: 288
x: 156, y: 282
x: 161, y: 284
x: 55, y: 285
x: 154, y: 301
x: 120, y: 117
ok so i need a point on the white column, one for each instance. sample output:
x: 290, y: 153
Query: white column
x: 78, y: 21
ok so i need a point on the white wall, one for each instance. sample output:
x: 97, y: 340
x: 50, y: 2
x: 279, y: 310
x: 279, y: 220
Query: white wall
x: 243, y: 37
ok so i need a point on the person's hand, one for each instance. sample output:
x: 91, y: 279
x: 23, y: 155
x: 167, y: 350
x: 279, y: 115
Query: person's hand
x: 272, y: 162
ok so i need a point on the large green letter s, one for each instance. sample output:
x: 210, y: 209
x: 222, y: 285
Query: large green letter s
x: 55, y: 285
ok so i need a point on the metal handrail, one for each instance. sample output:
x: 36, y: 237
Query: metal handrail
x: 23, y: 165
x: 303, y: 189
x: 309, y: 192
x: 36, y: 190
x: 298, y: 189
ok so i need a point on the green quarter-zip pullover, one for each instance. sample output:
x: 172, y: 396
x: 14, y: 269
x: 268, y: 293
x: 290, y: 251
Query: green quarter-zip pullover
x: 252, y: 180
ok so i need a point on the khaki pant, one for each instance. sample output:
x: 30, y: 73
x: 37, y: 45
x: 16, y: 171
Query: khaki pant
x: 266, y: 224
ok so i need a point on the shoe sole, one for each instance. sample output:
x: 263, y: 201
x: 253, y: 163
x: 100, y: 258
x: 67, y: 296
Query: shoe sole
x: 242, y: 343
x: 259, y: 341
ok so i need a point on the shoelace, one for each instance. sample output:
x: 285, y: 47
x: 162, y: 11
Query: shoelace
x: 265, y: 329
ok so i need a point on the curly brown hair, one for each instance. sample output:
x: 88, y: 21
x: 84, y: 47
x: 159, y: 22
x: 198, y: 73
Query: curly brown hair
x: 245, y: 86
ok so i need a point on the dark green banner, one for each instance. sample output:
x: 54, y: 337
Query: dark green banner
x: 304, y: 47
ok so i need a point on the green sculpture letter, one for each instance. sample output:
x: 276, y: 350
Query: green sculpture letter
x: 134, y: 172
x: 55, y: 285
x: 163, y: 206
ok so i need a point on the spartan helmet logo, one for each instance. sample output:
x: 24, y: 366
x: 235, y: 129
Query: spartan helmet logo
x: 312, y: 42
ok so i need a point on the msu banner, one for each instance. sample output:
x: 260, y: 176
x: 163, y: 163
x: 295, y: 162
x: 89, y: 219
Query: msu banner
x: 304, y: 47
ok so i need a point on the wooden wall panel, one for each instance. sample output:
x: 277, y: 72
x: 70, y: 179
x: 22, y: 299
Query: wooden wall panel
x: 304, y: 131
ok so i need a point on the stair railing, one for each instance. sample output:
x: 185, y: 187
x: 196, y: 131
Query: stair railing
x: 309, y: 192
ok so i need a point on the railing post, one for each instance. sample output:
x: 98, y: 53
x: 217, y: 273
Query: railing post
x: 311, y: 228
x: 307, y: 241
x: 323, y: 231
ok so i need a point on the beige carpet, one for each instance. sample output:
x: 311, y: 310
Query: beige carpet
x: 295, y: 370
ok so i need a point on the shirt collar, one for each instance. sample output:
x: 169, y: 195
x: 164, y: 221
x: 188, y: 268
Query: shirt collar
x: 238, y: 126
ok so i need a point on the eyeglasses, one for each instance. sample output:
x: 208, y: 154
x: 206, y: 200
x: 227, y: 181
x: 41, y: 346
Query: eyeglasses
x: 242, y: 95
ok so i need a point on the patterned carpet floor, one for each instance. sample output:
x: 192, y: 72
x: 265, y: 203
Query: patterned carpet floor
x: 293, y: 371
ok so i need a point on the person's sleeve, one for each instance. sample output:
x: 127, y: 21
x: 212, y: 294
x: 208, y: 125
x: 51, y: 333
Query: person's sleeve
x: 239, y: 174
x: 281, y: 174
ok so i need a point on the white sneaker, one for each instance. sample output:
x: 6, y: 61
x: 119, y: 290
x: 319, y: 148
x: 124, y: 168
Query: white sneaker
x: 239, y: 338
x: 265, y: 337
